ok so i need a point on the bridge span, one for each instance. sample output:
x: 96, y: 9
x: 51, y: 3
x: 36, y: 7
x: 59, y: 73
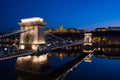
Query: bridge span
x: 32, y: 36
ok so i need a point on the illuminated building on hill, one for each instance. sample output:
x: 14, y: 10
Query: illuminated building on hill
x: 110, y: 35
x: 113, y: 29
x: 100, y: 29
x: 62, y: 30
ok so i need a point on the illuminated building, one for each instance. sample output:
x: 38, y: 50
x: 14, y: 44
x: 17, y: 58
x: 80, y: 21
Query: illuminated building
x: 107, y: 36
x: 70, y: 34
x: 72, y: 30
x: 113, y: 29
x: 114, y: 40
x: 101, y: 29
x: 107, y: 29
x: 62, y: 30
x: 50, y: 30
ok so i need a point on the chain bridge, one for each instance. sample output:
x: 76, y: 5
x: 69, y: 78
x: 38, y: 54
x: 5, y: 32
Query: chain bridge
x: 32, y: 39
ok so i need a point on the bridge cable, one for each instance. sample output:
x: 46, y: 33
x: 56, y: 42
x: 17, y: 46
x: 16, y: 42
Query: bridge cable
x: 15, y: 32
x: 58, y: 37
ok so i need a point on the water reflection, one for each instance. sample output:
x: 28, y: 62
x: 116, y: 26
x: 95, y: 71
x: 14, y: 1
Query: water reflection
x: 112, y: 53
x: 100, y: 67
x: 32, y: 64
x: 40, y: 67
x: 71, y: 51
x: 88, y: 58
x: 43, y: 67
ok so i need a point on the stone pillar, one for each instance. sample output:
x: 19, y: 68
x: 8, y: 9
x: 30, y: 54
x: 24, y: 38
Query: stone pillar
x: 87, y: 39
x: 34, y: 34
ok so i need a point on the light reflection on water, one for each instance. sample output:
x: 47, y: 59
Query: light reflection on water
x: 33, y: 64
x: 103, y: 64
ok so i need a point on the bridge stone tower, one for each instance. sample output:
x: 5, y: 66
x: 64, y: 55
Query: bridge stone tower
x: 87, y: 39
x: 33, y: 33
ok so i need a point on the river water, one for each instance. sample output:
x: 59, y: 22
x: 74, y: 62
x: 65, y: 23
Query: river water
x: 101, y: 64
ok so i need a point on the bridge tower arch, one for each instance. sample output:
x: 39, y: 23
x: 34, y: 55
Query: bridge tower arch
x: 34, y: 33
x: 87, y: 39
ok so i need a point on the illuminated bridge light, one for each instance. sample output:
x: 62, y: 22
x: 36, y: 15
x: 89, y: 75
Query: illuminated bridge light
x: 32, y: 19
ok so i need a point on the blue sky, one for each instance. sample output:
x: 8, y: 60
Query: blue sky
x: 81, y: 14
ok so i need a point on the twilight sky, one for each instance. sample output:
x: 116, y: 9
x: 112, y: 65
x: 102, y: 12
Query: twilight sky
x: 81, y: 14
